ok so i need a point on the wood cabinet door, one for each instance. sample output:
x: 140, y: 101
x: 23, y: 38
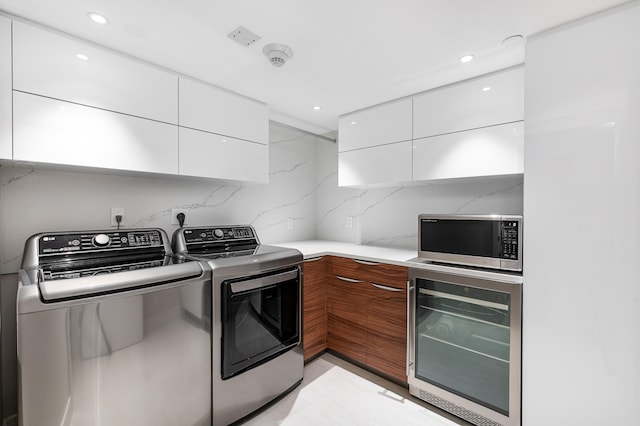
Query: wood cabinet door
x: 387, y: 329
x: 314, y: 306
x: 347, y: 317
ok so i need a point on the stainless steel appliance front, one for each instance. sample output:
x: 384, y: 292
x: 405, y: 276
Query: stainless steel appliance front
x: 107, y: 338
x: 487, y: 241
x: 256, y: 326
x: 464, y: 343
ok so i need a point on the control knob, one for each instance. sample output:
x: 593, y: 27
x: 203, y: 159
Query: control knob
x: 218, y: 233
x: 101, y: 240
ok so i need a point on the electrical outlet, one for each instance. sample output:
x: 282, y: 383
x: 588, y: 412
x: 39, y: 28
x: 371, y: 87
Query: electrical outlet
x: 174, y: 216
x: 349, y: 223
x: 289, y: 224
x: 115, y: 211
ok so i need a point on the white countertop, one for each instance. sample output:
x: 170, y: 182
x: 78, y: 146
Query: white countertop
x: 394, y: 256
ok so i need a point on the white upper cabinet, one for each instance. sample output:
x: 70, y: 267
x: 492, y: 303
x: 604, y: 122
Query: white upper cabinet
x: 208, y: 108
x: 386, y: 164
x: 52, y: 65
x: 488, y: 151
x: 55, y: 132
x: 5, y: 89
x: 205, y: 154
x: 375, y: 126
x: 493, y: 99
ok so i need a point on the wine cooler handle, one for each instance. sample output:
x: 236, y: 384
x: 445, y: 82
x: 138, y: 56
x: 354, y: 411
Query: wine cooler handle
x: 410, y: 290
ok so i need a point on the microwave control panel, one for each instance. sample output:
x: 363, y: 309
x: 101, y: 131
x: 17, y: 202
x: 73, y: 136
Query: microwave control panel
x: 509, y: 237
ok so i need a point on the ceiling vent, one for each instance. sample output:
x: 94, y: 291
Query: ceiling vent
x: 278, y: 54
x: 243, y: 36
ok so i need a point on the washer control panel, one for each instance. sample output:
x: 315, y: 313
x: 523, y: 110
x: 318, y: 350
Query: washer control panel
x: 99, y: 240
x: 219, y: 234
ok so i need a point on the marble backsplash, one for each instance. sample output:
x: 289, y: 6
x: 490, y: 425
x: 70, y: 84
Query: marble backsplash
x: 303, y: 188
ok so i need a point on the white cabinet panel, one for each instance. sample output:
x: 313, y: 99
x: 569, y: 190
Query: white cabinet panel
x: 5, y: 89
x: 45, y: 63
x: 490, y: 151
x: 209, y: 155
x: 466, y: 105
x: 377, y: 165
x: 215, y: 110
x: 379, y: 125
x: 57, y: 132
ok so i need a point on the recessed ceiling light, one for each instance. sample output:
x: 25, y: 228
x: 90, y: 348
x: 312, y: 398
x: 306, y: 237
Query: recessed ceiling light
x: 466, y: 58
x: 354, y: 122
x: 316, y: 107
x: 81, y: 56
x: 97, y: 18
x: 486, y: 88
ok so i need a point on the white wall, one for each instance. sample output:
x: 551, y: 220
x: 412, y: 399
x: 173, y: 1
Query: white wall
x: 581, y: 325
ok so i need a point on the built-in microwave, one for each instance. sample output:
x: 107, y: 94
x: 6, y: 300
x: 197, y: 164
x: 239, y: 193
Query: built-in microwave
x: 488, y: 241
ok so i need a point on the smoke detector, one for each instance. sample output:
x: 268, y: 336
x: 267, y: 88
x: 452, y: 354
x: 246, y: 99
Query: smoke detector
x: 277, y: 53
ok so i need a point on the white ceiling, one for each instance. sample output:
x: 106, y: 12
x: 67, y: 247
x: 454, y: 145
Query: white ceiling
x: 348, y: 54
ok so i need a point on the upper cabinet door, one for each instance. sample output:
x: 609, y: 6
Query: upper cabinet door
x: 51, y: 131
x: 214, y: 110
x: 493, y: 99
x: 5, y: 89
x: 379, y: 125
x: 387, y: 164
x: 489, y: 151
x: 52, y: 65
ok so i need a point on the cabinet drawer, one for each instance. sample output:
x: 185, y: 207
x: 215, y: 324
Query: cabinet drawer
x: 368, y: 271
x: 45, y: 63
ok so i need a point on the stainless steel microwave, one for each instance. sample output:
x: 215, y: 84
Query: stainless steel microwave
x: 488, y: 241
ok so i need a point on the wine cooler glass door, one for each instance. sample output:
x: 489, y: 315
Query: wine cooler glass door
x: 463, y: 340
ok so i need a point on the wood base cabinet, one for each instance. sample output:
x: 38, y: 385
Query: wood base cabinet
x: 314, y: 306
x: 367, y: 314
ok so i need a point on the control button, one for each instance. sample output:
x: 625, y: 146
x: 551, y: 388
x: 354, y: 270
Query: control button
x: 218, y: 233
x: 124, y: 240
x: 75, y: 242
x: 101, y: 240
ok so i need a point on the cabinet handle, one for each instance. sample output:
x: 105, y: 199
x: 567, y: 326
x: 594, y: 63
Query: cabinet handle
x: 313, y: 259
x: 366, y: 262
x: 384, y: 287
x: 349, y: 280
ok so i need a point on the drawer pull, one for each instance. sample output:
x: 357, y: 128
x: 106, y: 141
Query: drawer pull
x: 384, y: 287
x: 313, y: 259
x: 349, y: 280
x: 366, y: 262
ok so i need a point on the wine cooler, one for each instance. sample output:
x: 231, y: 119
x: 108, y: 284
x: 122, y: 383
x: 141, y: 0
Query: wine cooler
x: 465, y: 343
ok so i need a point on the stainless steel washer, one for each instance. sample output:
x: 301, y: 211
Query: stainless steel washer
x: 257, y: 354
x: 112, y: 330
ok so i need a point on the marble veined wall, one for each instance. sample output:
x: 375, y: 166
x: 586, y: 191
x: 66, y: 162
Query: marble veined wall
x: 303, y: 187
x: 36, y: 200
x: 388, y: 216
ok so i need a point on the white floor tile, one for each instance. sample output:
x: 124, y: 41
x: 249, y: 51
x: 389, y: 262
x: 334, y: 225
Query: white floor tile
x: 337, y: 393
